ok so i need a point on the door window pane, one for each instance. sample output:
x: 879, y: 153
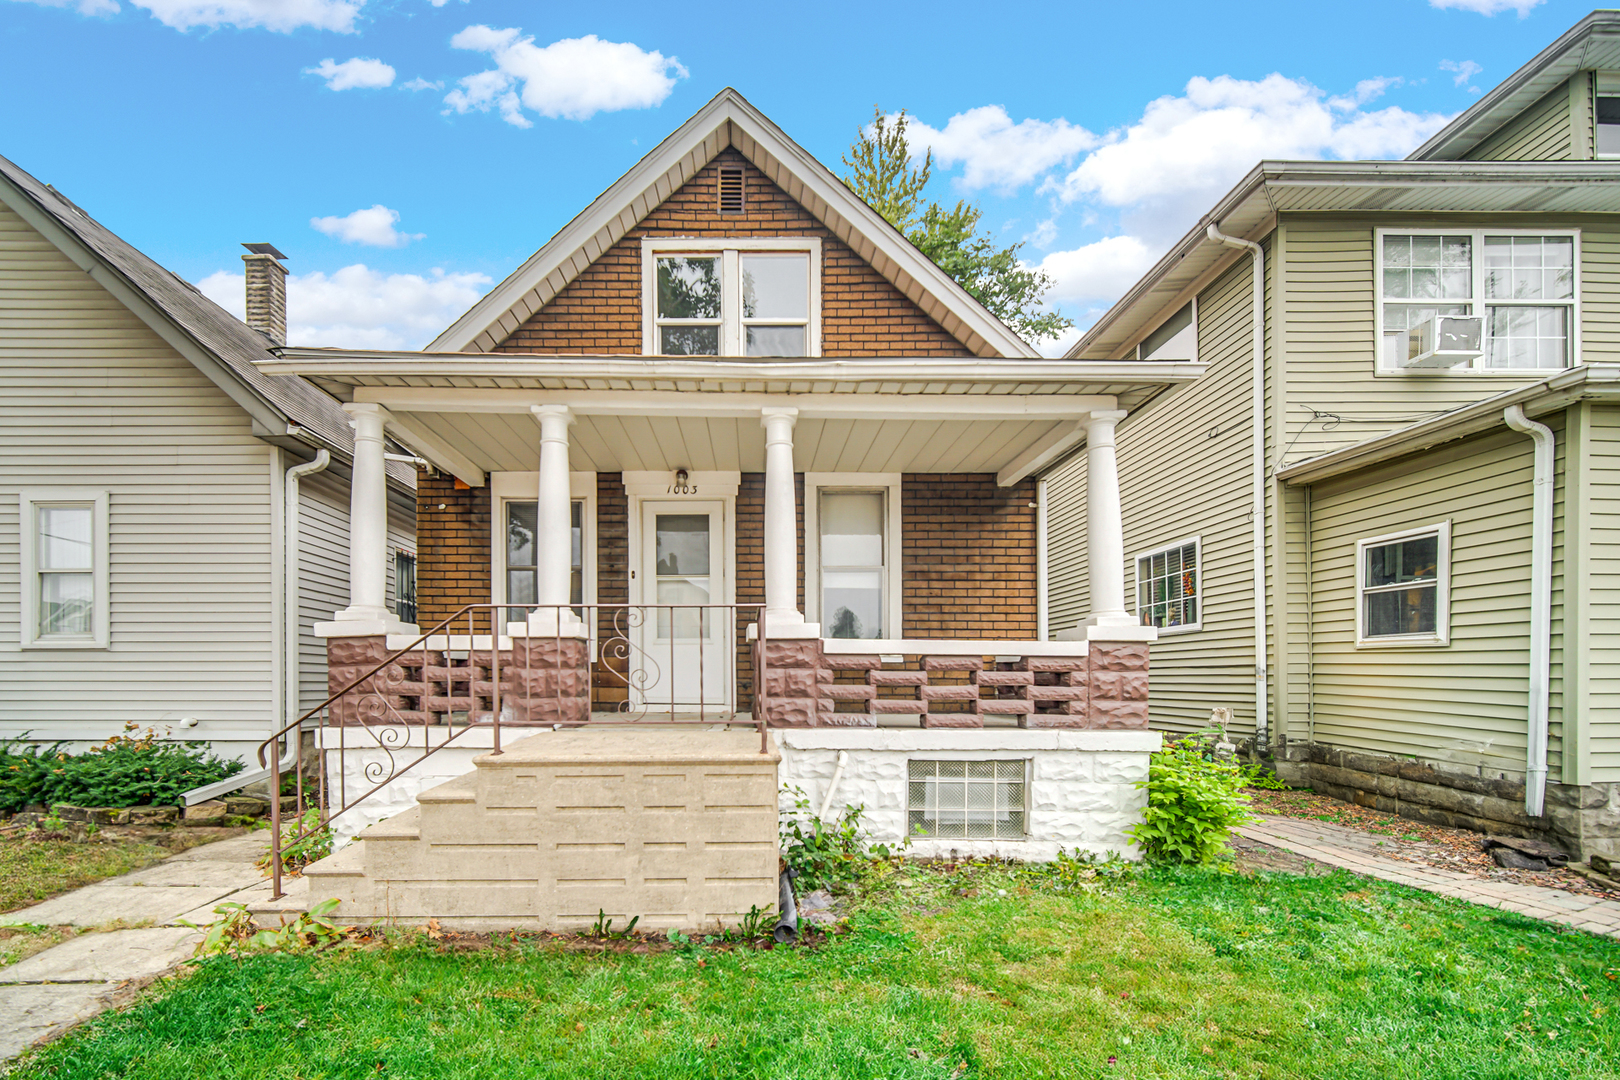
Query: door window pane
x: 682, y: 564
x: 688, y: 287
x: 776, y: 287
x: 852, y: 572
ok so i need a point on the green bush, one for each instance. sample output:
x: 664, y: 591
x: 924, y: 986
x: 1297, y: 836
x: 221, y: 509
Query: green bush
x: 1193, y: 803
x: 123, y: 771
x: 822, y: 854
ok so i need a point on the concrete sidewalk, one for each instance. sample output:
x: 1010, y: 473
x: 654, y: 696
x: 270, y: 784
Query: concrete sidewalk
x: 49, y: 992
x: 1354, y: 850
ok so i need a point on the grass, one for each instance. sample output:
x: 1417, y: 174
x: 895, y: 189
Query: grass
x: 36, y: 870
x: 981, y: 972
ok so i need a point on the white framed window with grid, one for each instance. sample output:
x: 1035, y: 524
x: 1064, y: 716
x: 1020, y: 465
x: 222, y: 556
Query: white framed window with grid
x: 968, y: 800
x: 1524, y: 284
x: 731, y: 297
x: 1169, y: 587
x: 1403, y: 588
x: 64, y: 562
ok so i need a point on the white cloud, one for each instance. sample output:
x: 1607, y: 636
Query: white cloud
x: 355, y: 73
x: 361, y: 308
x: 280, y: 15
x: 996, y: 152
x: 83, y: 7
x: 1186, y: 151
x: 441, y: 3
x: 572, y: 79
x: 1464, y: 70
x: 420, y: 83
x: 1044, y: 235
x: 1097, y: 271
x: 374, y: 227
x: 1487, y: 7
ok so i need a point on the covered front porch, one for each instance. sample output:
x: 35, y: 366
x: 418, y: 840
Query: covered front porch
x: 853, y: 542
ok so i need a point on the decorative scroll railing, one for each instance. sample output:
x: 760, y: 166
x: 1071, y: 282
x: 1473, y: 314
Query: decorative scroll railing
x: 491, y: 667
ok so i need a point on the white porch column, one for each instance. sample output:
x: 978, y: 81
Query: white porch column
x: 782, y: 615
x: 1105, y: 528
x: 367, y: 613
x: 553, y: 539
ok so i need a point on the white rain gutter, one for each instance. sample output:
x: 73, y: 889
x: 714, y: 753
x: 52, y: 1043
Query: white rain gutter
x: 1541, y: 536
x: 1257, y: 508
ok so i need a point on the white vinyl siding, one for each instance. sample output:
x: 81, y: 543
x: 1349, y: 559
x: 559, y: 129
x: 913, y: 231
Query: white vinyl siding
x: 90, y: 397
x: 1601, y: 668
x: 1540, y: 133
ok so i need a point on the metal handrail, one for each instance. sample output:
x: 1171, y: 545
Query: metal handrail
x: 627, y: 619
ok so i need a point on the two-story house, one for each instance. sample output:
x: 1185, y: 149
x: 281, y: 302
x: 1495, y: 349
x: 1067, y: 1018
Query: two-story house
x: 1378, y: 530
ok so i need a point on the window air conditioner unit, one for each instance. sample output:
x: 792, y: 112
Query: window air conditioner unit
x: 1443, y: 341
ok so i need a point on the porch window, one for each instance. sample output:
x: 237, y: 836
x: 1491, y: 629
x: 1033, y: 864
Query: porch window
x: 522, y: 574
x: 852, y: 563
x: 405, y: 586
x: 64, y: 568
x: 1169, y: 587
x: 741, y: 298
x: 1522, y: 285
x: 967, y: 800
x: 1402, y: 587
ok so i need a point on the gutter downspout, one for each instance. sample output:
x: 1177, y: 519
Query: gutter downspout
x: 1258, y: 479
x: 1042, y: 622
x: 1541, y: 534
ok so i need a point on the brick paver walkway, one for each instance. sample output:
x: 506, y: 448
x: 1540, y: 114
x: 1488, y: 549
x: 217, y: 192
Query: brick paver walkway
x: 1351, y: 849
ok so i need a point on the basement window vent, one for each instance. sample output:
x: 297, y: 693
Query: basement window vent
x: 731, y: 190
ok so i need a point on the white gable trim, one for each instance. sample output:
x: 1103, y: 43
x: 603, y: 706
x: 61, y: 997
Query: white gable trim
x: 728, y: 120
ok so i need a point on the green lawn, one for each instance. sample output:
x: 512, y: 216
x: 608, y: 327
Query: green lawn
x: 978, y: 973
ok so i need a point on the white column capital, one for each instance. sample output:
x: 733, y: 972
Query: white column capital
x: 367, y: 418
x: 778, y: 422
x: 554, y: 421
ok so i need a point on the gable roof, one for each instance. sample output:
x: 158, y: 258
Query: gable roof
x: 221, y: 346
x: 1591, y: 44
x: 728, y: 120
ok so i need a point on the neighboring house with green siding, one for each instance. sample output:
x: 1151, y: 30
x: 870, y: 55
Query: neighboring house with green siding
x: 1421, y: 326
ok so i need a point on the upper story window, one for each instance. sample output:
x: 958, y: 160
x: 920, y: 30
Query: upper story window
x: 1513, y: 299
x: 1175, y: 339
x: 732, y: 297
x: 1607, y: 115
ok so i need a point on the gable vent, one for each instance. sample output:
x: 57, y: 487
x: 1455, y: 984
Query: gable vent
x: 731, y: 189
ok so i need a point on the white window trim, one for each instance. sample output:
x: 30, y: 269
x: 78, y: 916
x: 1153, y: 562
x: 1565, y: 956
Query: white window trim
x: 1604, y: 84
x: 28, y: 502
x: 1477, y: 302
x: 1442, y: 590
x: 642, y: 487
x: 893, y: 584
x: 1198, y: 569
x: 525, y: 487
x: 1192, y: 303
x: 731, y: 297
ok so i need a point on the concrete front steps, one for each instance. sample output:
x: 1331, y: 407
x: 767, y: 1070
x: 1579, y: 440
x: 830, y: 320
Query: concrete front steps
x: 677, y: 826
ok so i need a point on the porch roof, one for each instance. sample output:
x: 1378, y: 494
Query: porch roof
x: 469, y: 413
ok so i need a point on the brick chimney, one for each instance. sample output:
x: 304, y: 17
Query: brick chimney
x: 266, y: 291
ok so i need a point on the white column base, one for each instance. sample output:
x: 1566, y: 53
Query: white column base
x: 543, y: 624
x: 782, y: 629
x: 1108, y: 631
x: 364, y: 622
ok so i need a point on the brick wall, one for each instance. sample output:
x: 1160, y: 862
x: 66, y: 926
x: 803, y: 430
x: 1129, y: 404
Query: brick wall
x: 968, y: 550
x: 750, y: 588
x: 861, y: 312
x: 452, y: 548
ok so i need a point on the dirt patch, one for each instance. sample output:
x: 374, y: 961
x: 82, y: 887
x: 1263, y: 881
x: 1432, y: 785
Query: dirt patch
x: 1252, y: 855
x: 1418, y: 842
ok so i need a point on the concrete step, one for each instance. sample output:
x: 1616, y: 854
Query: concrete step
x: 403, y: 826
x: 347, y: 862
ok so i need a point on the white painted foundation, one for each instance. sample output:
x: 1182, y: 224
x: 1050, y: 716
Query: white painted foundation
x: 1082, y: 794
x: 364, y: 748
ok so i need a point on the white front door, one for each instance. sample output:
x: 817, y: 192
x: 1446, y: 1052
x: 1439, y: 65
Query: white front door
x: 685, y: 652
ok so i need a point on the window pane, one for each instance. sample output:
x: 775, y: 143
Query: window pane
x: 689, y: 287
x: 1403, y: 611
x: 65, y: 603
x: 852, y: 603
x: 521, y: 587
x: 683, y: 544
x: 1428, y: 267
x: 689, y: 340
x: 64, y: 538
x: 520, y: 528
x: 1527, y: 337
x: 1608, y: 126
x: 852, y: 528
x: 776, y: 341
x: 1529, y: 267
x: 776, y: 286
x: 1167, y: 587
x: 1403, y: 561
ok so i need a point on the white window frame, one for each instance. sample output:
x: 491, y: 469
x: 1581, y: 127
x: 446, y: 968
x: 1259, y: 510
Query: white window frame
x: 1604, y: 84
x: 1442, y: 589
x: 729, y: 250
x: 893, y: 584
x: 525, y: 487
x: 1477, y: 303
x: 1197, y: 543
x: 29, y: 501
x: 1193, y: 326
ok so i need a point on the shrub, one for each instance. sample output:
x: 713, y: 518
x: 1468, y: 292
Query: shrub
x: 822, y: 854
x: 304, y: 840
x: 1193, y: 803
x: 123, y: 771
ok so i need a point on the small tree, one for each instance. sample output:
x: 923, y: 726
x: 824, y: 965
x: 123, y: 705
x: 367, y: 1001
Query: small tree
x: 881, y: 172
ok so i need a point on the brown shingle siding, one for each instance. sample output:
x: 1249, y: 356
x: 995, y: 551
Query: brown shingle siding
x: 862, y: 314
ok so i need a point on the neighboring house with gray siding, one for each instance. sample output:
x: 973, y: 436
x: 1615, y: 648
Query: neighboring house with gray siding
x: 1366, y: 503
x: 149, y: 569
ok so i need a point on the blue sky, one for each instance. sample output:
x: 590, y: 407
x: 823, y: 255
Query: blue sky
x: 445, y: 142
